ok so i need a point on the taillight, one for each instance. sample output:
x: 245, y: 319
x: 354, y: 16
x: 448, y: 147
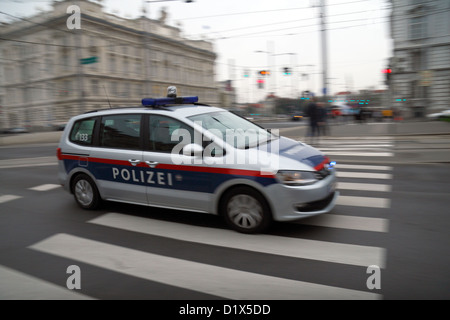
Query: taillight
x: 59, y: 154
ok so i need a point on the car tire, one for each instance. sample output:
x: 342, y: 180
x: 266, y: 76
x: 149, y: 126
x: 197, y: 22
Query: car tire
x: 246, y: 210
x: 85, y: 192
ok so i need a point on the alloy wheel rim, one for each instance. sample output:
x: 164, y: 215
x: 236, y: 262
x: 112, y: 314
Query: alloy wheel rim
x: 245, y: 211
x: 84, y: 192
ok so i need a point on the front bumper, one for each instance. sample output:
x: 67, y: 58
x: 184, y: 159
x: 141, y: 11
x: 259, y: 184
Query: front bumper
x: 293, y: 203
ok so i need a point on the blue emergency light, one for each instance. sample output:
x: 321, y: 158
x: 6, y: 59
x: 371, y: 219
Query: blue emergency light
x: 153, y: 102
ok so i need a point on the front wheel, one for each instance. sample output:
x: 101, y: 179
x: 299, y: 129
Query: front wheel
x: 85, y: 192
x: 245, y: 210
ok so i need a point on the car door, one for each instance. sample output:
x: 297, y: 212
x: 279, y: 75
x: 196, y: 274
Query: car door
x: 117, y: 159
x: 173, y: 179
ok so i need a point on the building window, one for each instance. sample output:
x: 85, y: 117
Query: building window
x: 126, y: 90
x: 65, y: 62
x: 114, y: 89
x: 417, y: 28
x: 48, y: 90
x: 125, y: 65
x: 94, y: 87
x: 137, y: 65
x: 49, y: 66
x: 112, y: 64
x: 418, y: 60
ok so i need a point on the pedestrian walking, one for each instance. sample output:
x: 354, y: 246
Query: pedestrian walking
x: 313, y: 115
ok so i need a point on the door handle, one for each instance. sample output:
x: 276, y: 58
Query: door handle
x: 134, y: 162
x: 152, y: 164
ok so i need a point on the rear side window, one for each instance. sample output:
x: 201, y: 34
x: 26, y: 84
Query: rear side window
x: 166, y: 133
x: 121, y: 131
x: 82, y: 132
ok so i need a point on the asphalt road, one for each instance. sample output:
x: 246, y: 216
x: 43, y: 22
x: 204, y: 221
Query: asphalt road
x: 391, y: 215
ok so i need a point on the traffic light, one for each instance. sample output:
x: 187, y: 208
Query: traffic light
x: 260, y: 83
x: 387, y: 72
x: 264, y: 72
x: 246, y: 74
x: 287, y: 71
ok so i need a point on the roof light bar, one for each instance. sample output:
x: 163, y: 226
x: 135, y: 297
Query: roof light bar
x: 150, y: 102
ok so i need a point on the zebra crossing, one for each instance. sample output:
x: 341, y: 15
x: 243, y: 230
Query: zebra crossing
x: 362, y: 207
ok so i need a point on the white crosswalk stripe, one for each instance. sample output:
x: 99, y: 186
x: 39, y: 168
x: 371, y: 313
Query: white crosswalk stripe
x: 359, y: 154
x: 364, y: 175
x: 347, y: 222
x: 364, y: 186
x: 8, y: 197
x: 364, y: 167
x: 45, y: 187
x: 357, y: 146
x: 371, y: 202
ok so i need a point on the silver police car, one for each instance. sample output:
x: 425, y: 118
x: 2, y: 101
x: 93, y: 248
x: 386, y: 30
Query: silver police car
x: 174, y: 152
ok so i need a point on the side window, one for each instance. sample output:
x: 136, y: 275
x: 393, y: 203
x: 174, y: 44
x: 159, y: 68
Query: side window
x: 82, y: 132
x: 121, y: 131
x: 166, y: 133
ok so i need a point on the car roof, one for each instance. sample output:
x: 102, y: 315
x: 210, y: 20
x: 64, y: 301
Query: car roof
x: 177, y: 111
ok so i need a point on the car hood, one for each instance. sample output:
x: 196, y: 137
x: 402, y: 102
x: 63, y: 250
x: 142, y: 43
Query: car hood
x: 295, y: 151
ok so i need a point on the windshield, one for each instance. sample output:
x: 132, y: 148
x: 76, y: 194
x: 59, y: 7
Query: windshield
x: 233, y: 129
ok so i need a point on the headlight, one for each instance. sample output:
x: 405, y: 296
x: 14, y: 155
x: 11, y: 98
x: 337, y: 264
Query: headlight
x: 296, y: 178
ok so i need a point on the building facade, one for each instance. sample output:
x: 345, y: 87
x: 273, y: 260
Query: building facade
x: 50, y: 72
x: 420, y: 79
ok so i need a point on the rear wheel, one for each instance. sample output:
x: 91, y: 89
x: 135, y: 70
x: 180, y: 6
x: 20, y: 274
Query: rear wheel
x: 245, y: 210
x: 85, y: 192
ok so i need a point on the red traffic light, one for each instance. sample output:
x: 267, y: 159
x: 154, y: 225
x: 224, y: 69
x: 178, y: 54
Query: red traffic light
x: 389, y: 70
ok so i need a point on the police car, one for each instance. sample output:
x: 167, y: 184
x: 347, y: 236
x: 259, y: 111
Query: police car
x: 174, y: 152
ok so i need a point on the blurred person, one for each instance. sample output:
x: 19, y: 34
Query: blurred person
x: 313, y: 114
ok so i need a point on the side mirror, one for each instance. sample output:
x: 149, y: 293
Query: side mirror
x: 192, y: 149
